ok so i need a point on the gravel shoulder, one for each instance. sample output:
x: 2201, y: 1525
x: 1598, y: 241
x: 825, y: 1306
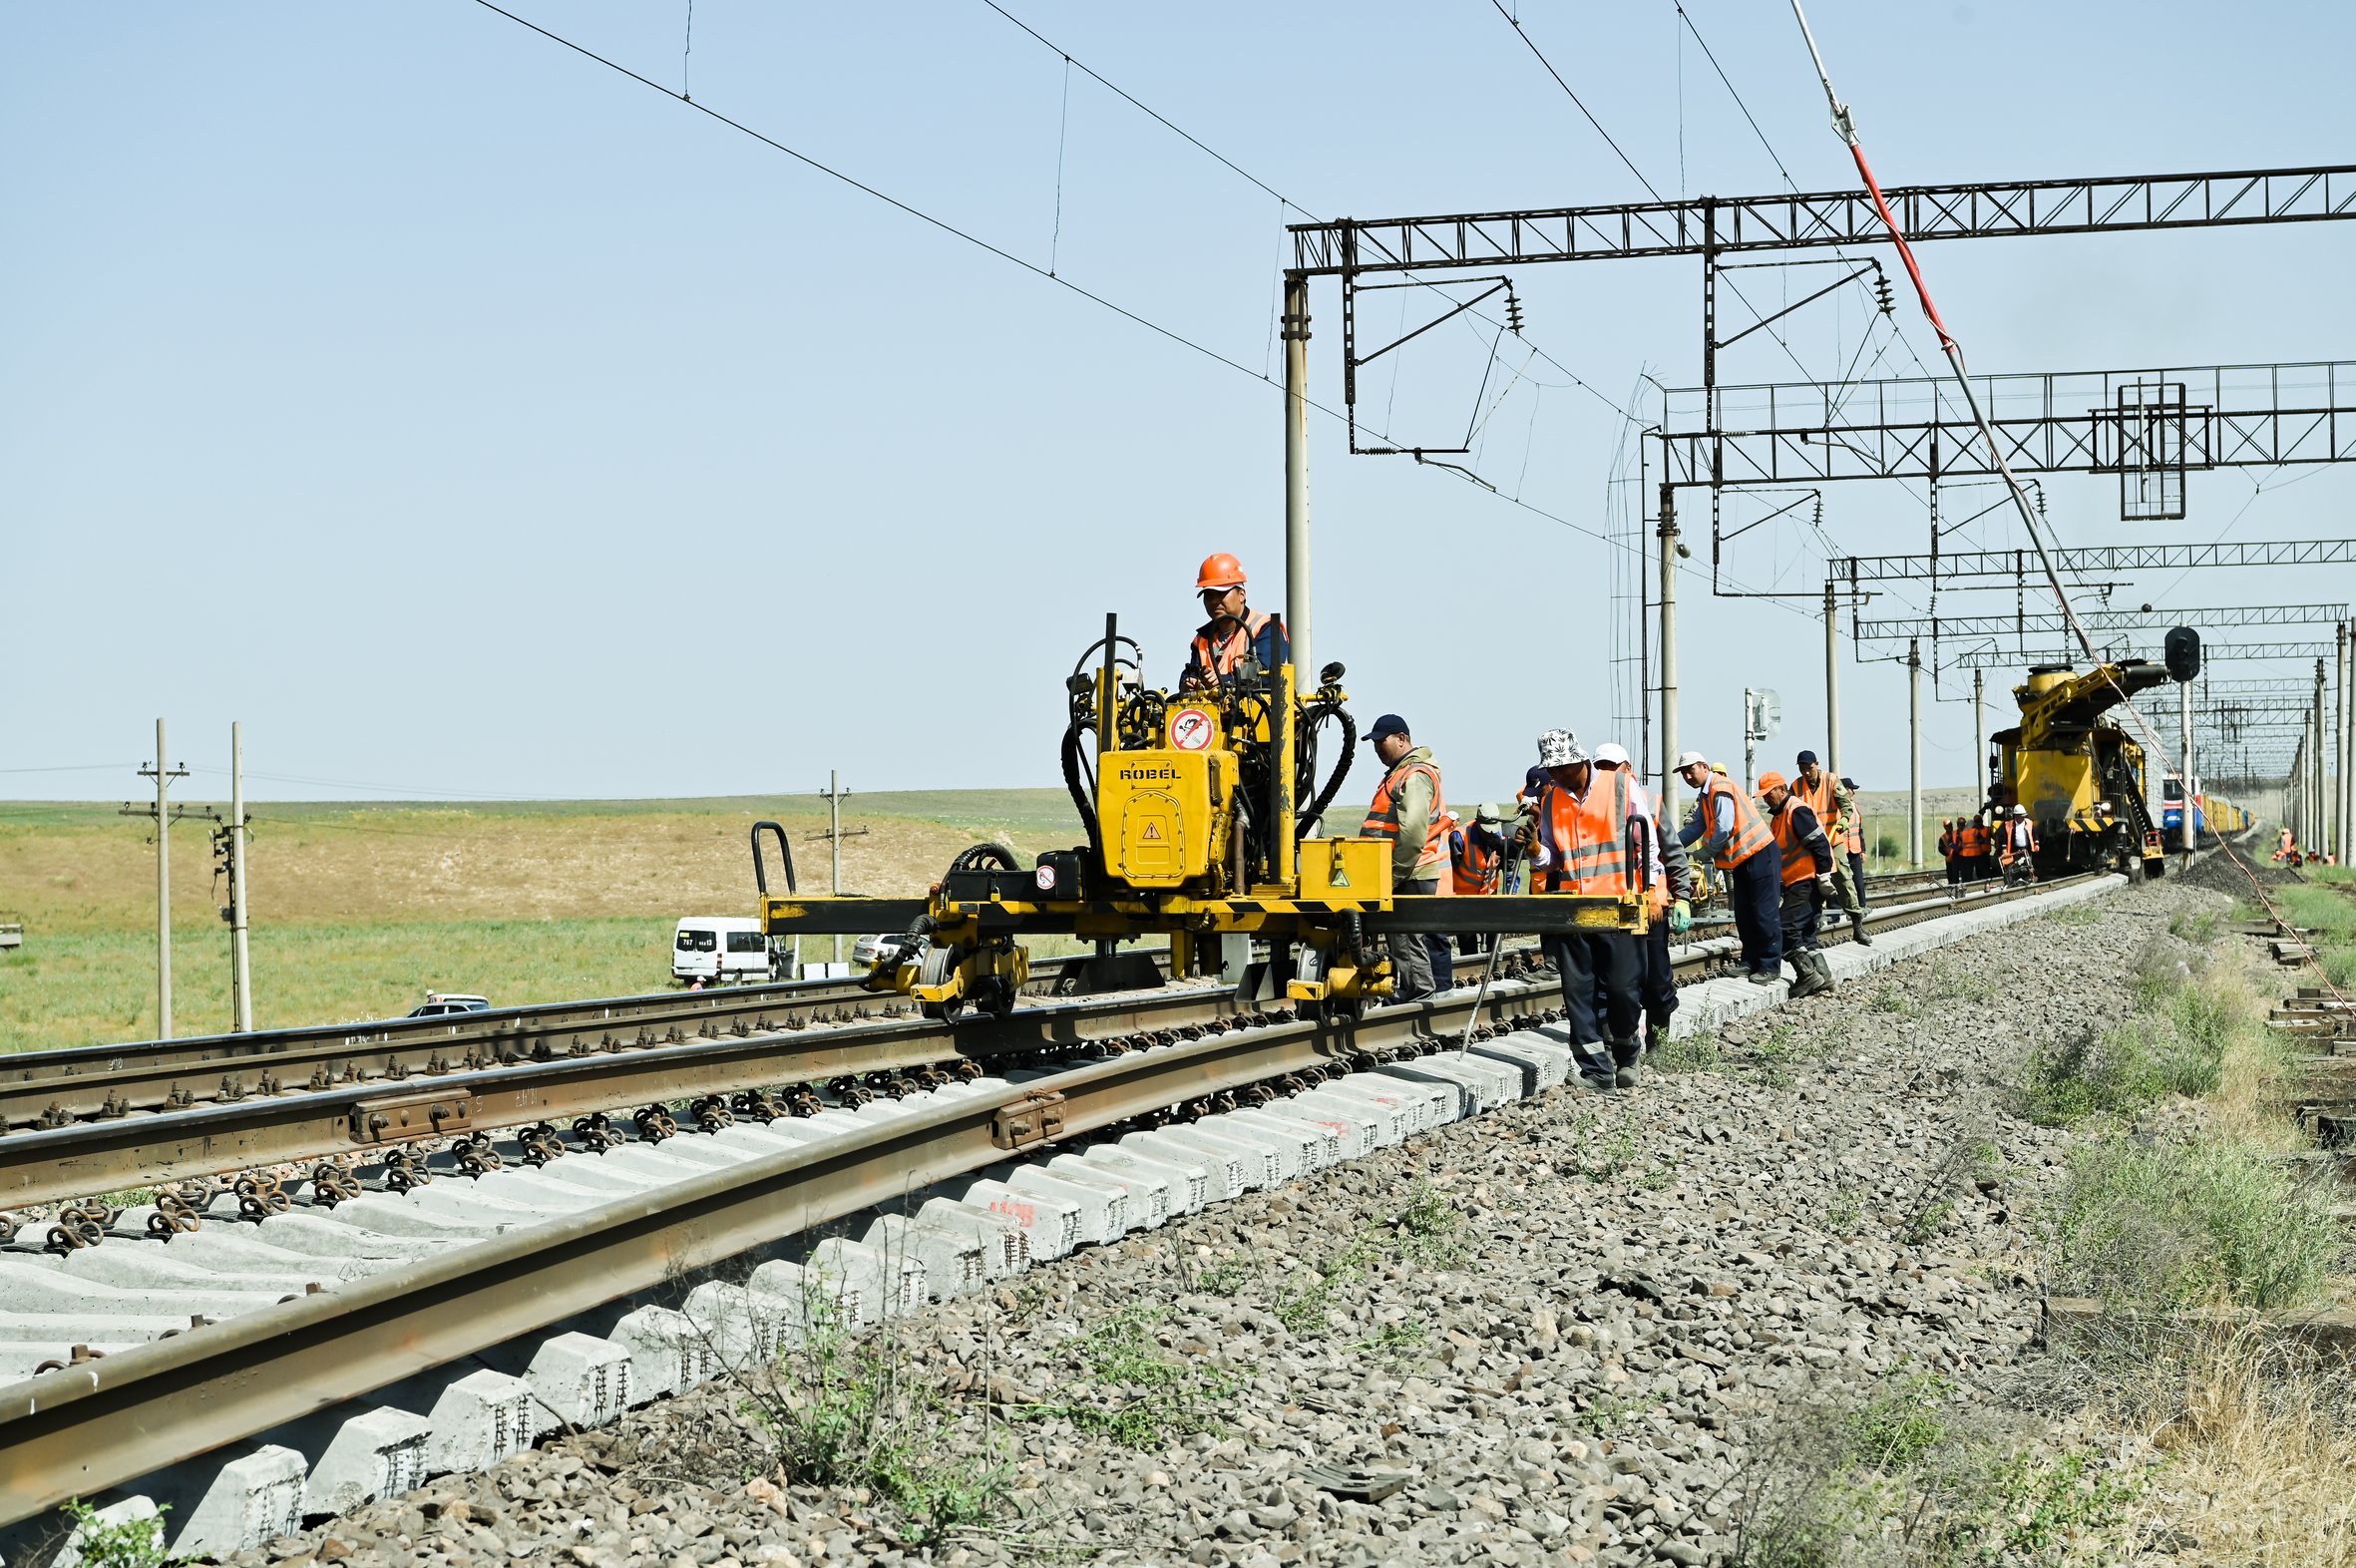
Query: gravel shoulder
x: 1579, y: 1328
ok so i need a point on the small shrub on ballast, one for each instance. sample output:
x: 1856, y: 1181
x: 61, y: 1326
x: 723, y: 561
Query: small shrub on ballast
x: 133, y: 1543
x: 1132, y: 1391
x: 2174, y: 1042
x: 2163, y: 1226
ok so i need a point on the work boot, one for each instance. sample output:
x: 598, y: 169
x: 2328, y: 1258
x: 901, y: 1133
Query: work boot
x: 1858, y: 930
x: 1816, y: 975
x: 1766, y: 977
x: 1626, y: 1056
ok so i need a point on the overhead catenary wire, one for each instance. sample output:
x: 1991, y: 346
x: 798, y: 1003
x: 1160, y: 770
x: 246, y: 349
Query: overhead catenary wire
x: 1515, y: 23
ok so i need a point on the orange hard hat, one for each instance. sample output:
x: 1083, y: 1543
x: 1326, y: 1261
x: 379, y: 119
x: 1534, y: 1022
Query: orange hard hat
x: 1221, y: 571
x: 1770, y: 779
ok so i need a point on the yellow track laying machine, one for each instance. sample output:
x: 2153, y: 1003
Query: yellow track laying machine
x: 1191, y: 803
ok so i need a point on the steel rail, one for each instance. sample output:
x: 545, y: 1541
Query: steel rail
x: 59, y: 1164
x: 55, y: 1164
x: 80, y: 1430
x: 75, y: 1431
x: 47, y: 1089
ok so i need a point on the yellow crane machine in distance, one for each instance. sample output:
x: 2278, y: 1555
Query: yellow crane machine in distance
x: 2079, y: 774
x: 1193, y: 805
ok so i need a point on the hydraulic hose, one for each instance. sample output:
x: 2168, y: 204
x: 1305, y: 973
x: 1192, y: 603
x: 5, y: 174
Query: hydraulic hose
x: 974, y: 856
x: 1075, y: 782
x: 1314, y: 717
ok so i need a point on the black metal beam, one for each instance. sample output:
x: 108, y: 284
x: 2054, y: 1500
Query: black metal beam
x: 2000, y: 659
x: 1721, y: 225
x: 2051, y: 622
x: 1956, y: 565
x: 2049, y: 422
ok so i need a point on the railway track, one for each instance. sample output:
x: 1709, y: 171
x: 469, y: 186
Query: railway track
x: 535, y: 1243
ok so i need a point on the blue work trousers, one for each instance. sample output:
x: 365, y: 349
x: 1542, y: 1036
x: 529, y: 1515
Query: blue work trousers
x: 1755, y: 889
x: 1601, y: 973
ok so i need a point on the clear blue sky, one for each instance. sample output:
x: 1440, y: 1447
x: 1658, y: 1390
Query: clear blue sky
x: 465, y: 417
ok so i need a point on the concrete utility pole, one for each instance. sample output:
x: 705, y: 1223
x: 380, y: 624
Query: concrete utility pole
x: 2347, y: 740
x: 1914, y: 749
x: 240, y: 970
x: 2186, y: 840
x: 2316, y: 759
x: 1295, y: 334
x: 1750, y: 741
x: 1978, y: 741
x: 162, y: 775
x: 1831, y: 685
x: 1669, y: 549
x: 833, y: 796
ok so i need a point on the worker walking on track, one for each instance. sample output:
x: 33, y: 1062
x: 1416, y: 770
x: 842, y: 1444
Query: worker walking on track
x: 1731, y: 836
x: 1477, y: 865
x: 2020, y: 846
x: 1235, y: 631
x: 1410, y: 812
x: 1834, y: 805
x: 1852, y: 833
x: 1807, y: 881
x: 1578, y: 843
x: 1669, y: 892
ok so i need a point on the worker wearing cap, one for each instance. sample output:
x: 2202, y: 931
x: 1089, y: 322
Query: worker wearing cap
x: 1577, y: 843
x: 1235, y: 633
x: 1730, y: 836
x: 2020, y: 846
x: 1411, y: 814
x: 1833, y: 806
x: 1669, y: 892
x: 1972, y: 840
x: 1807, y: 881
x: 1477, y: 866
x: 1852, y: 840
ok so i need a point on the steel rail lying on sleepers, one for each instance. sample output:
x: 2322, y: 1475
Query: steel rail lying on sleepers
x: 55, y: 1164
x: 78, y: 1430
x: 45, y: 1089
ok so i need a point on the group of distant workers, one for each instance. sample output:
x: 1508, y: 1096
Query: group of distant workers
x: 1974, y: 851
x: 1780, y: 857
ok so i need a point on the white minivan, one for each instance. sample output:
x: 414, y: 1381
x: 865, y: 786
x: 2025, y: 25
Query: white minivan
x: 719, y: 950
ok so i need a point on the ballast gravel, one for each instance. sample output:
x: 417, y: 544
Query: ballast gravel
x: 1564, y: 1331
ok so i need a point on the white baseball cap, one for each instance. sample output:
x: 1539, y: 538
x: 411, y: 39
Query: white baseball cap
x: 1690, y: 759
x: 1613, y: 752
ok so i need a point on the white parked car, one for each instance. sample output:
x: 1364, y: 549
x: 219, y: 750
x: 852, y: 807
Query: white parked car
x: 719, y: 950
x: 442, y: 1004
x: 881, y: 950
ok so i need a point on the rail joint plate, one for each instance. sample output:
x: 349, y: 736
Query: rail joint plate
x: 397, y: 1118
x: 1034, y: 1118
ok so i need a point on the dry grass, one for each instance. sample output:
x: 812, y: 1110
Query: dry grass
x: 2260, y: 1456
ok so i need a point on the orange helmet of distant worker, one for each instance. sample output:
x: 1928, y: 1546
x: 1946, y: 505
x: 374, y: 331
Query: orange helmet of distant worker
x: 1221, y: 571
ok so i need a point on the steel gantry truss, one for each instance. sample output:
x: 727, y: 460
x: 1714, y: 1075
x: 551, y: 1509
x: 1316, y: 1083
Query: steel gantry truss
x: 2052, y: 623
x: 2210, y: 652
x: 2017, y: 564
x: 2049, y: 422
x: 1712, y: 228
x: 1724, y: 226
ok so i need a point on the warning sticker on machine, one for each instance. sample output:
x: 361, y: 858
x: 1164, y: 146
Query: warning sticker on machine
x: 1152, y: 833
x: 1191, y: 729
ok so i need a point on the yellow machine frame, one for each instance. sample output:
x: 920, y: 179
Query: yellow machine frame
x: 1194, y: 836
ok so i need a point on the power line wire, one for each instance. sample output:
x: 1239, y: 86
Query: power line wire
x: 1515, y: 23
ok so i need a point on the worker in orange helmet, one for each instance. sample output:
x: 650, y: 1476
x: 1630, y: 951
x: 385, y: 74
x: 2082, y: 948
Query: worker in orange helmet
x: 1235, y: 633
x: 1806, y: 852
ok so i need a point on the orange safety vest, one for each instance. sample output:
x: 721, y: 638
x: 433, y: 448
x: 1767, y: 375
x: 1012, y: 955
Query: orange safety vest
x: 1750, y: 835
x: 1585, y: 844
x: 2015, y: 831
x: 1788, y: 842
x: 1853, y: 833
x: 1474, y: 866
x: 1975, y: 841
x: 1218, y: 659
x: 1383, y: 816
x: 1820, y: 801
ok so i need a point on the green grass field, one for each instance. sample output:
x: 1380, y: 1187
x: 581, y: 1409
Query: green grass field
x: 358, y: 910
